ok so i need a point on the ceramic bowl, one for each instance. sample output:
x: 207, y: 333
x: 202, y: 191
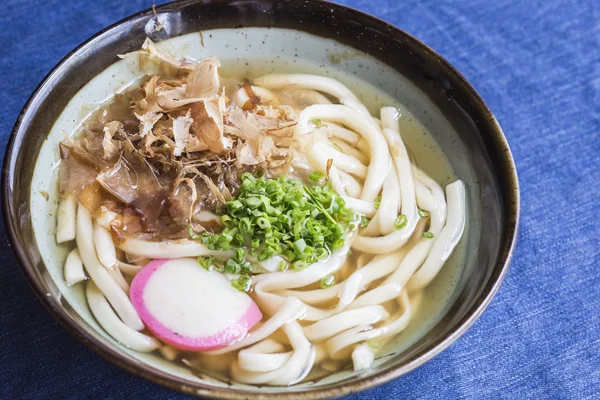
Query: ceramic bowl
x: 268, y: 34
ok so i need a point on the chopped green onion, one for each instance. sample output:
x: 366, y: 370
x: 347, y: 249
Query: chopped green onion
x: 253, y: 202
x: 327, y: 281
x: 337, y: 244
x: 240, y: 255
x: 282, y: 265
x: 400, y: 221
x: 349, y: 252
x: 423, y: 213
x: 193, y: 234
x: 243, y: 283
x: 377, y: 202
x: 245, y: 267
x: 299, y: 246
x: 338, y: 148
x: 364, y: 221
x: 316, y: 176
x: 374, y: 343
x: 231, y: 266
x: 321, y: 253
x: 298, y: 265
x: 317, y: 122
x: 428, y: 235
x: 206, y: 262
x: 300, y: 222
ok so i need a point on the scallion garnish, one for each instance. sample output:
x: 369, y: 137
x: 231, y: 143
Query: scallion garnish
x: 400, y: 221
x: 193, y: 234
x: 206, y: 262
x: 316, y: 176
x: 327, y: 281
x: 298, y: 265
x: 377, y: 202
x: 364, y: 222
x: 374, y: 343
x: 243, y: 283
x: 240, y: 255
x: 423, y: 213
x: 428, y: 235
x: 338, y: 148
x: 282, y: 217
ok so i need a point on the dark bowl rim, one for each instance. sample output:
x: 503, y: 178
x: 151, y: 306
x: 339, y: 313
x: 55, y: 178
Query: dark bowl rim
x: 359, y: 383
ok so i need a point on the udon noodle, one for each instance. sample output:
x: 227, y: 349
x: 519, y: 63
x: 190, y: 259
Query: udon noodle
x: 157, y: 165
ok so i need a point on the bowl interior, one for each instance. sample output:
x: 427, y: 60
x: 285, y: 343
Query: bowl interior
x: 424, y: 86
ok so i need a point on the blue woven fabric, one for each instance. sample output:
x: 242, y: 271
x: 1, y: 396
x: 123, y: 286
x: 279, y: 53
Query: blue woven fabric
x: 537, y: 65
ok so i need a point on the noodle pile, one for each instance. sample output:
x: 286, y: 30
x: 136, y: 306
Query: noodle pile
x: 414, y: 226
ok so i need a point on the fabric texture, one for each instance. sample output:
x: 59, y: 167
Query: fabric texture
x: 537, y: 65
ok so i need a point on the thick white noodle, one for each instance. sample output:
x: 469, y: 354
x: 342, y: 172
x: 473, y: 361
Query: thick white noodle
x: 350, y: 150
x: 348, y: 164
x: 206, y: 216
x: 338, y: 185
x: 348, y: 290
x: 390, y: 118
x: 65, y: 219
x: 105, y: 217
x: 385, y: 217
x: 165, y: 249
x: 105, y: 248
x: 362, y: 357
x: 352, y: 186
x: 301, y: 362
x: 320, y: 83
x: 291, y: 310
x: 101, y: 277
x: 417, y: 254
x: 343, y: 321
x: 297, y: 366
x: 396, y: 239
x: 321, y: 152
x: 170, y: 249
x: 424, y: 197
x: 111, y: 323
x: 299, y: 98
x: 240, y: 98
x: 128, y: 269
x: 73, y: 270
x: 267, y: 285
x: 350, y: 137
x: 271, y: 264
x: 345, y: 339
x: 116, y: 274
x: 365, y: 208
x: 264, y: 356
x: 380, y: 156
x: 446, y: 241
x: 343, y: 161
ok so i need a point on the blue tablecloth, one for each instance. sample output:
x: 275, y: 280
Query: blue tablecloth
x: 536, y: 63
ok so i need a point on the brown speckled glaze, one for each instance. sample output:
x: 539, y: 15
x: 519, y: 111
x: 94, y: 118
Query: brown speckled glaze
x: 461, y: 105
